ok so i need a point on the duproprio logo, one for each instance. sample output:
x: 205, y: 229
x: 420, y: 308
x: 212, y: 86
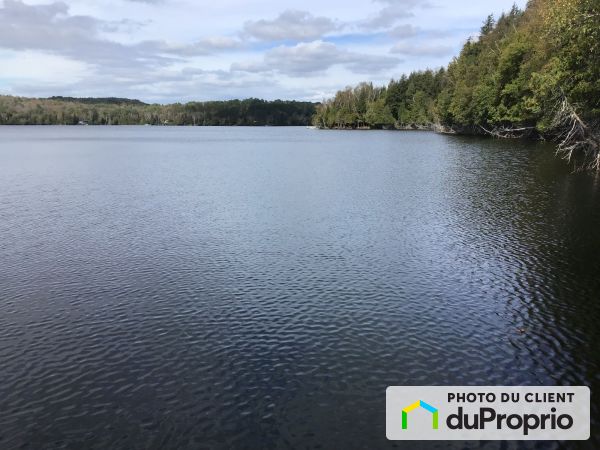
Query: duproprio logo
x: 420, y: 404
x: 554, y: 413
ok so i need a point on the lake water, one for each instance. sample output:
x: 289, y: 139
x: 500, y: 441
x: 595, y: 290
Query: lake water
x: 261, y: 287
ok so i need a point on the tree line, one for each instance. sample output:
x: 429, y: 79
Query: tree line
x: 408, y: 102
x: 119, y: 111
x: 532, y: 72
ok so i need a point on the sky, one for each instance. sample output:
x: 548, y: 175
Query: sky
x: 167, y: 51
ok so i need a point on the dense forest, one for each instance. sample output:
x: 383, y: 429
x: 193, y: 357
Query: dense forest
x: 531, y: 73
x: 119, y: 111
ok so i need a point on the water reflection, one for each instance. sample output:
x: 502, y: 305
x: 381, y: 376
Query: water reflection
x: 260, y: 288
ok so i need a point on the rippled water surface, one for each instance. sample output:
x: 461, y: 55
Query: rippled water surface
x: 261, y: 287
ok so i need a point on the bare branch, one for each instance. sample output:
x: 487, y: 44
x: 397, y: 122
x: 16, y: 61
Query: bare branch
x: 578, y: 142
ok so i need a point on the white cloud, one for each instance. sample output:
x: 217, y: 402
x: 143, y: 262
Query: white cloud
x: 50, y: 28
x: 290, y: 25
x: 25, y: 67
x: 175, y: 50
x: 392, y: 11
x: 421, y: 50
x: 205, y: 46
x: 313, y: 58
x: 403, y: 31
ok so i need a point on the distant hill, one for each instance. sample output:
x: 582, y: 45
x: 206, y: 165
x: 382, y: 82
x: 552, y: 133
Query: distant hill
x: 121, y: 111
x: 98, y: 100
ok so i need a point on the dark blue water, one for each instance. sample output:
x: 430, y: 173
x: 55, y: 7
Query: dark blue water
x: 261, y: 287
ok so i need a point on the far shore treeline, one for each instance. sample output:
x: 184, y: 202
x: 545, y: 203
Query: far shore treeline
x: 120, y: 111
x: 532, y: 73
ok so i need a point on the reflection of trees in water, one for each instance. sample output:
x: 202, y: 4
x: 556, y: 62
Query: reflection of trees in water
x: 536, y: 225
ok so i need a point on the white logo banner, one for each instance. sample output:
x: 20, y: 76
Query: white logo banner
x: 487, y: 413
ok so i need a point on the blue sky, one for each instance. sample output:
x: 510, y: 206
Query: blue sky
x: 180, y: 50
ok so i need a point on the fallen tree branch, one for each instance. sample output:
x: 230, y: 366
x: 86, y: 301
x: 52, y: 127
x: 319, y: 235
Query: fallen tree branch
x: 508, y: 132
x: 578, y: 142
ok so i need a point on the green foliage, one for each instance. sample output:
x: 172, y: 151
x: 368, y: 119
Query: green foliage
x: 116, y: 111
x: 413, y: 98
x: 514, y: 75
x: 408, y: 101
x: 488, y: 25
x: 97, y: 101
x: 351, y: 107
x: 378, y: 114
x: 573, y: 31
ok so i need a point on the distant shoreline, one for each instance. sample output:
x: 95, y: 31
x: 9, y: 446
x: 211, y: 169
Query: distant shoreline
x: 68, y: 125
x: 118, y: 111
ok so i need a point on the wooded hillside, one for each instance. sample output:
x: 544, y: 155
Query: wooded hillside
x: 116, y: 111
x: 530, y: 73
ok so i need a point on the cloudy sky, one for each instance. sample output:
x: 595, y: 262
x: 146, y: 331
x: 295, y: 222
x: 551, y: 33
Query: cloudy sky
x: 180, y: 50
